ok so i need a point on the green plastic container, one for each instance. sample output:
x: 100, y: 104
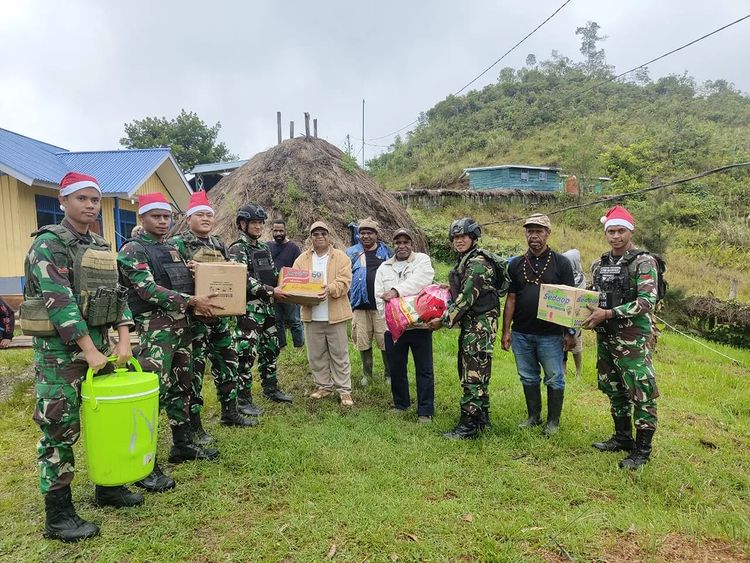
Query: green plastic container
x: 120, y: 415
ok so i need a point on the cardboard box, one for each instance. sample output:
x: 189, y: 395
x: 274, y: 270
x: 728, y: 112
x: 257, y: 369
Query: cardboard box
x: 229, y: 280
x: 301, y: 286
x: 565, y: 305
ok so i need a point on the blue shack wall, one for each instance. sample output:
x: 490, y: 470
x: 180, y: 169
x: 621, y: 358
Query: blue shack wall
x: 510, y: 179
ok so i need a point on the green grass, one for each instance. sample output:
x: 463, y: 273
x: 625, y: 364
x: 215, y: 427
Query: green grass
x: 379, y: 486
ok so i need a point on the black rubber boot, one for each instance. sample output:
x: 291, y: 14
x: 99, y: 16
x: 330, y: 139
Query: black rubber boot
x: 366, y: 356
x: 230, y: 416
x: 62, y: 522
x: 156, y: 481
x: 641, y: 452
x: 483, y: 421
x: 119, y: 497
x: 272, y: 392
x: 200, y: 437
x: 185, y: 450
x: 386, y: 366
x: 533, y: 396
x: 554, y: 409
x: 621, y: 440
x: 246, y: 406
x: 466, y: 428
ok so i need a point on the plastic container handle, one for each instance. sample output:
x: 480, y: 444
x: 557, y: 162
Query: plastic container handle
x: 132, y: 361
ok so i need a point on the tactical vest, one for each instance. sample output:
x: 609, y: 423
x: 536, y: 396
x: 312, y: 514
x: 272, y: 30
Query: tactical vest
x: 202, y: 252
x: 168, y: 270
x: 613, y: 281
x: 488, y: 297
x: 261, y: 265
x: 93, y: 280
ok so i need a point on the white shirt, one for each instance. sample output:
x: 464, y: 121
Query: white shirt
x: 320, y: 264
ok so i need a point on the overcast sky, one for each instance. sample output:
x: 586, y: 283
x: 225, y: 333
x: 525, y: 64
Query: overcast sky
x: 72, y: 73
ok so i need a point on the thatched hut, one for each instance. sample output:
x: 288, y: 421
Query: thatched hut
x: 304, y: 180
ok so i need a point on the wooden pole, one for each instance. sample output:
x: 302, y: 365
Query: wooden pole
x: 291, y: 129
x: 278, y: 125
x: 363, y: 134
x: 307, y: 125
x: 315, y: 127
x: 733, y: 289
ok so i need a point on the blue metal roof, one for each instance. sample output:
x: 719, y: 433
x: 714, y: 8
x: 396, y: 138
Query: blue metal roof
x: 118, y: 171
x: 217, y: 167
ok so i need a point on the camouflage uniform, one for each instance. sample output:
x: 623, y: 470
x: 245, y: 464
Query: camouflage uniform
x: 164, y: 333
x: 625, y: 372
x: 473, y: 276
x: 255, y: 335
x: 59, y: 363
x: 212, y: 338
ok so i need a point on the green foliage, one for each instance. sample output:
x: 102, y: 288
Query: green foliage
x: 348, y: 163
x: 192, y: 141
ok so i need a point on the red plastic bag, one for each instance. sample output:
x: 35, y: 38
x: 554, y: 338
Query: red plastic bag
x: 400, y: 315
x: 432, y: 302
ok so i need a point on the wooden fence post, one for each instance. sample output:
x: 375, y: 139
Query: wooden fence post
x: 291, y: 129
x: 315, y: 127
x: 278, y: 125
x: 307, y: 125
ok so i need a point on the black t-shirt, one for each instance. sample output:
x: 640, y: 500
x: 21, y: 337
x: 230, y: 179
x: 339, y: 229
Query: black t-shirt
x: 525, y: 271
x: 372, y: 263
x: 283, y: 254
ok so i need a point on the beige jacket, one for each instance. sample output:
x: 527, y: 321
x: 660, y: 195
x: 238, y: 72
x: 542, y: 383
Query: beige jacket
x: 339, y: 276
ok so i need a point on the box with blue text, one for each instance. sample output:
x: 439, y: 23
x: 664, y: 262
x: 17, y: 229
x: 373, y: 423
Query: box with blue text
x: 565, y: 305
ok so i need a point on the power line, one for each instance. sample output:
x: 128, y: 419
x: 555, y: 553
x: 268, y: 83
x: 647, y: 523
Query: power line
x: 693, y: 42
x: 508, y: 52
x: 513, y: 48
x: 622, y: 196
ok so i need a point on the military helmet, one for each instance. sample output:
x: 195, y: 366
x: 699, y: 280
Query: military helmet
x: 465, y: 226
x: 251, y: 212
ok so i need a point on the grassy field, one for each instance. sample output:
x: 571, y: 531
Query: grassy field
x: 315, y: 481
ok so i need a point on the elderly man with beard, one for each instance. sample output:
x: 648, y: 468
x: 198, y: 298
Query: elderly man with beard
x: 406, y: 274
x: 284, y: 252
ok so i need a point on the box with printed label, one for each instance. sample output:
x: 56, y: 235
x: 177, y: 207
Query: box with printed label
x: 228, y: 280
x: 301, y: 286
x: 565, y: 305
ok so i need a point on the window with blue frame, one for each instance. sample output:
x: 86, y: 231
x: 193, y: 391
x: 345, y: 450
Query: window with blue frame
x: 124, y: 228
x: 48, y: 211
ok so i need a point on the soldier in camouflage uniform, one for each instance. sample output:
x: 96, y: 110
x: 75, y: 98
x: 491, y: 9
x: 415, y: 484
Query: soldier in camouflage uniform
x: 72, y: 299
x: 160, y: 289
x: 477, y: 281
x: 255, y: 335
x: 212, y: 338
x: 627, y: 279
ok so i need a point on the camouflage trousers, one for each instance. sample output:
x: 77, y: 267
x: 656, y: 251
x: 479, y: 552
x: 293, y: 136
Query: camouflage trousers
x: 255, y: 337
x: 475, y: 348
x: 627, y: 377
x: 213, y: 341
x: 165, y: 348
x: 59, y: 374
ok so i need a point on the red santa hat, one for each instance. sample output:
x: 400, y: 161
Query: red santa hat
x: 74, y: 181
x: 149, y: 202
x: 198, y: 202
x: 618, y: 216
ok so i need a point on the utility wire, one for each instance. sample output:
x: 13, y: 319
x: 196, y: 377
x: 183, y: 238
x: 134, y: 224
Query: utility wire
x: 485, y: 71
x: 509, y: 51
x: 677, y: 330
x: 693, y: 42
x: 621, y: 196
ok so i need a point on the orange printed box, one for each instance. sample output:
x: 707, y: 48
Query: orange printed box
x: 301, y: 286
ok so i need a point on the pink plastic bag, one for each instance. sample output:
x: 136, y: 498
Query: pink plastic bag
x: 407, y: 312
x: 432, y: 302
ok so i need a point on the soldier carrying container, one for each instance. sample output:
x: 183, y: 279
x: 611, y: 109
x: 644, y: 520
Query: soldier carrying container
x: 72, y: 298
x: 255, y: 335
x: 628, y: 282
x: 160, y: 293
x: 212, y: 337
x: 477, y: 282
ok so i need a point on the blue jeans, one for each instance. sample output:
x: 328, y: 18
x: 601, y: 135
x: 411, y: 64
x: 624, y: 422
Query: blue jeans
x: 289, y: 312
x: 534, y: 353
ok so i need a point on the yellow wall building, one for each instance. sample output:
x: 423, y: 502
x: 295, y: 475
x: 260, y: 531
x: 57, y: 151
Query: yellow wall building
x: 30, y: 171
